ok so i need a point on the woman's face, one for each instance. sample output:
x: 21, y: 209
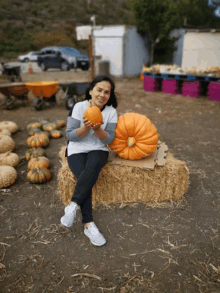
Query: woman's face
x: 100, y: 94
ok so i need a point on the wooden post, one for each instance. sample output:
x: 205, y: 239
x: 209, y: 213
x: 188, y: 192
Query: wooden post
x: 91, y: 57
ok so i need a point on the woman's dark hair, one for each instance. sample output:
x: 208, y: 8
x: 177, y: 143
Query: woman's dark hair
x: 112, y: 100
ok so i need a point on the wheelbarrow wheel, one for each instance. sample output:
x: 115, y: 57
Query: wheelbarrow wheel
x: 70, y: 101
x: 38, y: 104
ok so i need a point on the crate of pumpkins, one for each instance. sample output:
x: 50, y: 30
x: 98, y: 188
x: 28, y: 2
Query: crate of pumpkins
x: 40, y: 133
x: 8, y: 159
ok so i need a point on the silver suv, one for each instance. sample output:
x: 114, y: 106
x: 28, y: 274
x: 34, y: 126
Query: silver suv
x: 63, y: 58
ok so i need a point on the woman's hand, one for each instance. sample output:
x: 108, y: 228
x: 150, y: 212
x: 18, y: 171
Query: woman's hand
x: 87, y: 124
x: 97, y: 126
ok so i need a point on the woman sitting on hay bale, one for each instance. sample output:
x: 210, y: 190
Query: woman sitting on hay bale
x: 87, y: 150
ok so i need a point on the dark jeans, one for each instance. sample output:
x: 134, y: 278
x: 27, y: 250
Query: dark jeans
x: 86, y: 167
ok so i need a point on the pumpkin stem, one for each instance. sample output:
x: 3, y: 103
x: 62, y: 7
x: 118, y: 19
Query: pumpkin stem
x: 131, y: 141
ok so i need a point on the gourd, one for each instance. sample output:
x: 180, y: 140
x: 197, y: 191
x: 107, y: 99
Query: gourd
x: 44, y: 122
x: 9, y: 159
x: 33, y: 125
x: 39, y: 162
x: 5, y: 131
x: 8, y: 176
x: 39, y: 175
x: 38, y: 140
x: 11, y: 126
x: 33, y: 131
x: 50, y: 126
x: 94, y: 115
x: 56, y: 133
x: 135, y: 137
x: 34, y: 153
x: 6, y: 143
x: 60, y: 123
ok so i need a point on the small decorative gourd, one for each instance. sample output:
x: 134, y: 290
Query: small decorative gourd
x: 50, y: 126
x: 60, y: 123
x: 9, y: 159
x: 6, y: 144
x: 40, y: 162
x: 38, y: 140
x: 94, y: 115
x: 34, y: 153
x: 5, y: 131
x: 33, y: 131
x: 33, y: 125
x: 39, y: 175
x: 135, y: 137
x: 8, y: 176
x: 44, y: 122
x: 11, y: 126
x: 56, y: 133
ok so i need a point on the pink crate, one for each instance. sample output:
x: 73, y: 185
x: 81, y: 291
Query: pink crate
x: 170, y: 86
x: 191, y: 85
x: 214, y: 96
x: 214, y: 86
x: 150, y: 84
x: 193, y: 94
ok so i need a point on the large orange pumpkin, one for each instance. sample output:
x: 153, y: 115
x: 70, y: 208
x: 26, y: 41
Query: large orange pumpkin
x: 94, y: 115
x: 40, y: 162
x: 135, y: 137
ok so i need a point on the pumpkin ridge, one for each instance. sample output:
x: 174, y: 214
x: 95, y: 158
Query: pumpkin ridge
x: 140, y: 122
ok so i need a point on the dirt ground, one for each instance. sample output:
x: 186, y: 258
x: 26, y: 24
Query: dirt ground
x: 170, y: 248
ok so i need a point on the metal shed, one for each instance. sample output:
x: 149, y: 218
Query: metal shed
x: 123, y: 47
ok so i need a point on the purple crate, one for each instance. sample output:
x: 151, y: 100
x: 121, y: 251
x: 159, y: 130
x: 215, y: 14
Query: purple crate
x: 170, y: 91
x: 191, y: 85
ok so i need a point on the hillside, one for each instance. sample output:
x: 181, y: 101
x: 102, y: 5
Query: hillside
x: 27, y: 25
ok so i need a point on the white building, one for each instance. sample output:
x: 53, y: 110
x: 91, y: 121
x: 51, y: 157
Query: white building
x: 121, y: 45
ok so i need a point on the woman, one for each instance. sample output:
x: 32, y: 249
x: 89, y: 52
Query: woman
x: 87, y: 151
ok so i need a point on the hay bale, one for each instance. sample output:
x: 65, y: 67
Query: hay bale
x: 117, y: 184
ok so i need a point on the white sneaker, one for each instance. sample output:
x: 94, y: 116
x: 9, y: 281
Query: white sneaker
x: 70, y: 215
x: 92, y: 232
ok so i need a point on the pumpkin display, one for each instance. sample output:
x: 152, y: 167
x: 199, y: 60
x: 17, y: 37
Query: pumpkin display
x: 11, y: 126
x: 38, y: 140
x: 33, y: 125
x: 50, y: 126
x: 34, y: 153
x: 9, y: 159
x: 60, y: 123
x: 33, y: 131
x: 8, y: 176
x: 6, y: 143
x: 39, y: 175
x: 39, y: 162
x: 56, y: 133
x: 5, y: 131
x: 94, y: 115
x: 135, y: 137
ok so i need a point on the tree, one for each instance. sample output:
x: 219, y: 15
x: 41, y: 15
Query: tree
x: 155, y: 18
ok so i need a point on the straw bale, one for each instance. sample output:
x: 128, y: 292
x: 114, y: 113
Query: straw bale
x: 117, y: 184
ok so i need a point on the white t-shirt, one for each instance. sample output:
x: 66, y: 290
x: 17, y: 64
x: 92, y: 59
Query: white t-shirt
x: 90, y: 141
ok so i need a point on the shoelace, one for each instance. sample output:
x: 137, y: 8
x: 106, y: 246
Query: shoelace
x: 93, y: 229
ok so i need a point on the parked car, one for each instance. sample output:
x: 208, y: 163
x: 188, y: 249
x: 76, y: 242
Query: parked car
x: 31, y: 56
x: 63, y: 58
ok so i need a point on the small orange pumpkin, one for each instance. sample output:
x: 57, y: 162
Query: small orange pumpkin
x: 38, y: 140
x: 33, y: 125
x: 50, y: 126
x: 39, y: 175
x: 60, y: 123
x: 39, y: 162
x: 94, y: 115
x: 56, y: 133
x: 135, y: 137
x: 34, y: 153
x: 32, y: 131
